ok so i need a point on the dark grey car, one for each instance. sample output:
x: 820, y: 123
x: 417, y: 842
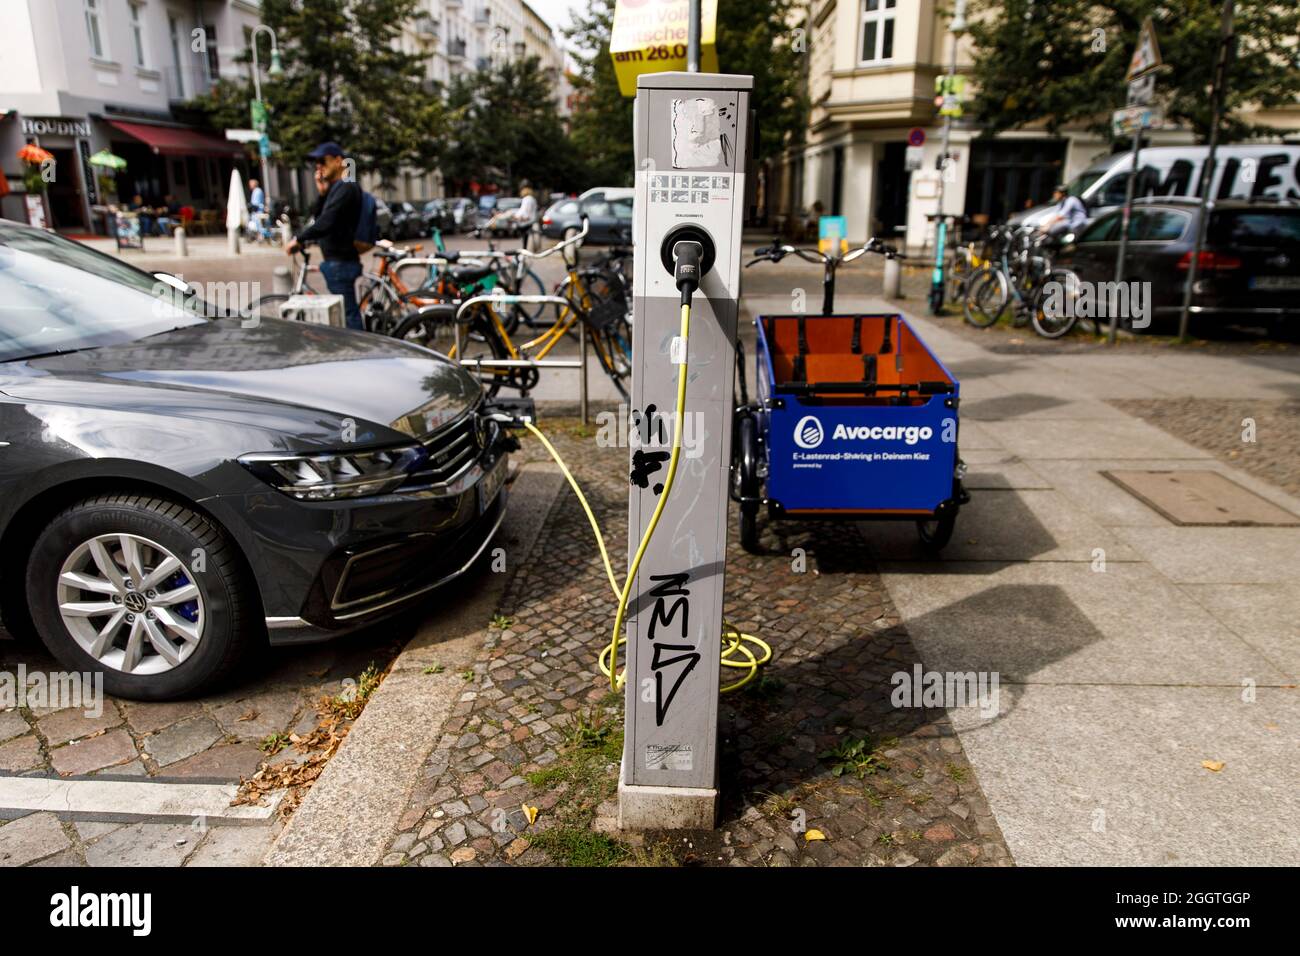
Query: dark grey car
x: 175, y: 488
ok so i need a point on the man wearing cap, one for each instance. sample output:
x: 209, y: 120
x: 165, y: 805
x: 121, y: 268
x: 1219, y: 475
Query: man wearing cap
x: 335, y: 228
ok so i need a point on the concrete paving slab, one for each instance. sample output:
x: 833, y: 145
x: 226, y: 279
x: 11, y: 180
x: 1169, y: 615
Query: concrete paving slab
x: 127, y: 799
x: 1266, y: 616
x: 1010, y: 525
x: 1115, y: 439
x: 1065, y: 623
x: 1112, y: 776
x: 1002, y: 474
x: 1036, y: 405
x: 144, y: 844
x: 1220, y: 555
x: 30, y: 838
x: 1200, y: 497
x: 234, y: 846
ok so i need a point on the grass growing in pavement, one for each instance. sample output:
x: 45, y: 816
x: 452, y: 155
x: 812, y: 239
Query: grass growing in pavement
x: 578, y: 846
x: 861, y: 757
x: 586, y: 770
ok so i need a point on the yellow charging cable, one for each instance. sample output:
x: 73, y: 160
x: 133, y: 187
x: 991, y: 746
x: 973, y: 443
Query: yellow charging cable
x: 734, y: 640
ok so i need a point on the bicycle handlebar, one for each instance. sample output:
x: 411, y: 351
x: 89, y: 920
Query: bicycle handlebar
x: 776, y: 252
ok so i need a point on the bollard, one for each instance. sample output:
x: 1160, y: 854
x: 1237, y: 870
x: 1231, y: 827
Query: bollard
x: 893, y: 279
x: 232, y: 241
x: 182, y: 248
x: 282, y: 281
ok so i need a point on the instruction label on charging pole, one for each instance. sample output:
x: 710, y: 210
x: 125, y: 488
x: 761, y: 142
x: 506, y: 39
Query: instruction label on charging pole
x: 690, y: 136
x: 649, y: 36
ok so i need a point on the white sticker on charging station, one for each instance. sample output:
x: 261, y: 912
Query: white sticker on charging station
x: 669, y: 757
x: 677, y: 351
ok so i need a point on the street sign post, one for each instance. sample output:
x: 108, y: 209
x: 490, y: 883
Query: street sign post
x: 1140, y: 114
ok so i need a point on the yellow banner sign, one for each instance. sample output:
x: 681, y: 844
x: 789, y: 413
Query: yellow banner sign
x: 649, y: 36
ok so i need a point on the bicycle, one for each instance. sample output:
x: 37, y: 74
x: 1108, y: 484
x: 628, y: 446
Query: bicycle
x: 1018, y: 269
x: 485, y: 334
x: 382, y: 297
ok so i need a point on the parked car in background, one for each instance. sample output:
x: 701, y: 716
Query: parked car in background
x: 610, y: 193
x: 486, y: 204
x: 178, y: 488
x: 437, y: 214
x: 383, y: 219
x: 464, y: 214
x: 407, y: 221
x: 1249, y: 267
x: 611, y: 219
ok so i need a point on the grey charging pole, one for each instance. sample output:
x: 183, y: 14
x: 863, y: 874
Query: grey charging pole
x: 691, y: 142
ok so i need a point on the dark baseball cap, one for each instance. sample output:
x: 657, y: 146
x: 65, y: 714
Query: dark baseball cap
x: 326, y: 149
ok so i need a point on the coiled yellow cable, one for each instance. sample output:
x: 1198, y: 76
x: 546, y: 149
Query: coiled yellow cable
x: 734, y: 640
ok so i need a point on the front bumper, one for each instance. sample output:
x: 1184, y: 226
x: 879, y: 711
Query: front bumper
x: 324, y: 568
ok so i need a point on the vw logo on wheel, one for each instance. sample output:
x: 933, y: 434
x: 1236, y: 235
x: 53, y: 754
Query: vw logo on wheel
x: 809, y: 432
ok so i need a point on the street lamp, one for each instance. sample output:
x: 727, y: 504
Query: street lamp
x: 956, y: 27
x: 276, y: 70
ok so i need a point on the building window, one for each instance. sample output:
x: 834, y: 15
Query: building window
x: 174, y: 33
x: 214, y: 59
x: 877, y: 30
x: 98, y: 46
x: 137, y: 34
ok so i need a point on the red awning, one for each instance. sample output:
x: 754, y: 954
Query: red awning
x: 172, y: 141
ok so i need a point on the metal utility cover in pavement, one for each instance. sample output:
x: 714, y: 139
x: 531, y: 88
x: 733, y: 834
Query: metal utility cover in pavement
x: 1200, y: 498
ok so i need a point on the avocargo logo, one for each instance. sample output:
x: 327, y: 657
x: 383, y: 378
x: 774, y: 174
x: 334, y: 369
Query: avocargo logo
x: 809, y: 432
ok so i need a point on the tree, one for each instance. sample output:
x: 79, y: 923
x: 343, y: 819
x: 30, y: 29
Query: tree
x: 757, y: 37
x: 504, y: 127
x: 345, y: 79
x: 1065, y: 61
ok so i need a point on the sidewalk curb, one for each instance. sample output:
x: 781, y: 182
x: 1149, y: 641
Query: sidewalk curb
x: 352, y: 812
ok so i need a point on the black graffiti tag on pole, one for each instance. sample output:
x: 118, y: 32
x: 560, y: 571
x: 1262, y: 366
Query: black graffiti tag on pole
x: 668, y: 655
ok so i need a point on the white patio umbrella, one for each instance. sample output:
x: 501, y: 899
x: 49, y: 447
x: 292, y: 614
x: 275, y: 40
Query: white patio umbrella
x: 236, y: 204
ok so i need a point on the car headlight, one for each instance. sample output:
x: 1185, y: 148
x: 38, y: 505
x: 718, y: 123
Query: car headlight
x: 340, y: 474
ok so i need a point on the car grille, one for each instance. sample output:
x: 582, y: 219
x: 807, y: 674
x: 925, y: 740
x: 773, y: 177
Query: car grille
x: 451, y: 451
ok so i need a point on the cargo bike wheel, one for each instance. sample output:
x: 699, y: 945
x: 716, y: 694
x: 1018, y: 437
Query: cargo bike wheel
x: 937, y: 532
x: 747, y: 485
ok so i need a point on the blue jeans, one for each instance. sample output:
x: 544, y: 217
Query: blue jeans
x: 341, y: 277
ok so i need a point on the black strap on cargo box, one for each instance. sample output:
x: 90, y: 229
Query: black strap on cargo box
x: 869, y: 369
x: 885, y: 346
x: 857, y: 335
x: 800, y: 364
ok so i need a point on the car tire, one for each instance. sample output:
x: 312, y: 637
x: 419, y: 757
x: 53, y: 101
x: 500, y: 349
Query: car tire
x: 223, y: 613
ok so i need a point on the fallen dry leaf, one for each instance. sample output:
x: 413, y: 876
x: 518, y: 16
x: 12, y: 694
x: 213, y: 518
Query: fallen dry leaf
x: 1214, y: 765
x: 530, y: 813
x: 811, y: 835
x: 248, y: 715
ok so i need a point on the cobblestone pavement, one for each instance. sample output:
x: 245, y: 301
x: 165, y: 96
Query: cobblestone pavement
x: 538, y: 728
x: 1217, y: 426
x: 220, y: 738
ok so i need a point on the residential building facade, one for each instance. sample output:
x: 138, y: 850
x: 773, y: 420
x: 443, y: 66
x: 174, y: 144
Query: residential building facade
x: 79, y: 76
x: 872, y: 66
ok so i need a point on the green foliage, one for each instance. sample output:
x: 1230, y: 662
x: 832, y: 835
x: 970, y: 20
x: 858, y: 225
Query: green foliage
x: 1065, y: 61
x: 575, y: 846
x: 504, y: 127
x: 860, y: 757
x: 345, y: 79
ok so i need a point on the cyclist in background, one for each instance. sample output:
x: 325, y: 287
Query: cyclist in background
x: 1069, y: 216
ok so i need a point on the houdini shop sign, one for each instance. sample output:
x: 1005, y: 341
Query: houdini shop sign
x: 55, y: 126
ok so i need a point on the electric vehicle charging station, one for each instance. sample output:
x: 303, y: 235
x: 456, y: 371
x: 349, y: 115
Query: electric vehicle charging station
x: 691, y: 144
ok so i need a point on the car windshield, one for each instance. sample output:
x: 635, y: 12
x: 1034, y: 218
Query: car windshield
x: 59, y: 296
x: 1080, y: 184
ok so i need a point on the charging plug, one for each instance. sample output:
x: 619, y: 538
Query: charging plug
x: 687, y: 255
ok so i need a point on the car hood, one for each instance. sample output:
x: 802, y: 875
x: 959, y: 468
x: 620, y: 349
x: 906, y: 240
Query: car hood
x: 307, y: 381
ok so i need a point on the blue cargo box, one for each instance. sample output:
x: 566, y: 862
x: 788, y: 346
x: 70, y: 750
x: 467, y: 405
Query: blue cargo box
x: 859, y: 418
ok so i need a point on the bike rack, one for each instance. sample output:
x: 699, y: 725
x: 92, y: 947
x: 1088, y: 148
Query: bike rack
x: 579, y: 363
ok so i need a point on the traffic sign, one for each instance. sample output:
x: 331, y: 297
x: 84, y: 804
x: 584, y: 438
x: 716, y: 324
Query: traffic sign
x: 1133, y: 118
x: 1142, y: 91
x: 258, y: 110
x: 916, y: 137
x: 1146, y: 56
x: 913, y: 158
